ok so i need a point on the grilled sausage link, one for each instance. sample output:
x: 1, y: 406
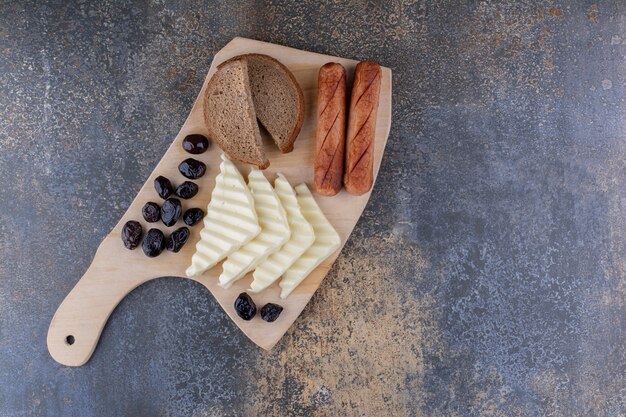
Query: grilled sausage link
x: 359, y: 170
x: 331, y: 129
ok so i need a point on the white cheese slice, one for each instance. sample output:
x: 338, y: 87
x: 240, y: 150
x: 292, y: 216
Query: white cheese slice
x: 274, y: 231
x: 230, y: 221
x: 302, y: 237
x: 326, y: 242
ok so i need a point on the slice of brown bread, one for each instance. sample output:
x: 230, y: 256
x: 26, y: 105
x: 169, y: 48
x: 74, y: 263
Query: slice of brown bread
x: 278, y: 98
x: 230, y: 116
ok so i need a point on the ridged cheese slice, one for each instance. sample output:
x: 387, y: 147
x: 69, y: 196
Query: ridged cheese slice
x: 274, y: 231
x: 230, y: 221
x: 326, y: 242
x: 302, y: 237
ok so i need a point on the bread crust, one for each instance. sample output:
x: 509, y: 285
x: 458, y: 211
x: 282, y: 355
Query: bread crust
x: 331, y: 129
x: 289, y: 143
x: 359, y: 169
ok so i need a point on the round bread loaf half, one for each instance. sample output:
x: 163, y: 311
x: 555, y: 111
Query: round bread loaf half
x: 274, y: 99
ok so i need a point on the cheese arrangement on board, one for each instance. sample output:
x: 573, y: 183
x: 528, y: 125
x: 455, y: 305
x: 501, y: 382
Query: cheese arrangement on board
x: 314, y: 238
x: 209, y: 214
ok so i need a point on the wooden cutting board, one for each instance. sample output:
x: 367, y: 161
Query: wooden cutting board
x: 115, y: 271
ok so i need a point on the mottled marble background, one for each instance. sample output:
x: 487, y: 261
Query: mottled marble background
x: 485, y: 278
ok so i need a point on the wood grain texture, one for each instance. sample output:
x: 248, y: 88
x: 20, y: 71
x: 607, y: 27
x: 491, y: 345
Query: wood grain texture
x: 115, y: 271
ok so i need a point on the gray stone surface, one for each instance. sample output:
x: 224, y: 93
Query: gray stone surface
x: 486, y: 277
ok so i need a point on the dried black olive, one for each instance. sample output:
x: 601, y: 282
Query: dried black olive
x: 151, y: 212
x: 177, y: 239
x: 193, y: 216
x: 195, y: 144
x: 270, y: 312
x: 192, y: 168
x: 131, y: 234
x: 171, y: 211
x: 245, y: 307
x: 163, y: 187
x: 186, y: 190
x: 153, y: 243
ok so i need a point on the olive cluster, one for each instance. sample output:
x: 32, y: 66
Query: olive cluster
x: 171, y: 210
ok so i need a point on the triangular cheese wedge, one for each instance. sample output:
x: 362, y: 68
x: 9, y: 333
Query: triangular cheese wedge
x: 326, y: 242
x: 230, y: 221
x: 302, y: 237
x: 274, y: 231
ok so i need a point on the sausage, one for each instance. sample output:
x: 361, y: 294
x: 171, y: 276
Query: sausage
x: 359, y: 171
x: 331, y: 129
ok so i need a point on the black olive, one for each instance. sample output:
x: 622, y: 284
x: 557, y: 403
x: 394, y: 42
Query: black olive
x: 171, y: 211
x: 131, y: 234
x: 163, y: 187
x: 193, y: 216
x: 195, y: 144
x: 245, y: 307
x: 270, y: 312
x: 177, y: 239
x: 153, y: 243
x: 192, y: 168
x: 151, y: 212
x: 186, y: 190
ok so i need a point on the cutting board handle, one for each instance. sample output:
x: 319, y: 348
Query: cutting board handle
x: 78, y: 322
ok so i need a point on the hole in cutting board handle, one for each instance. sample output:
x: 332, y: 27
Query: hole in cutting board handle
x: 70, y: 340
